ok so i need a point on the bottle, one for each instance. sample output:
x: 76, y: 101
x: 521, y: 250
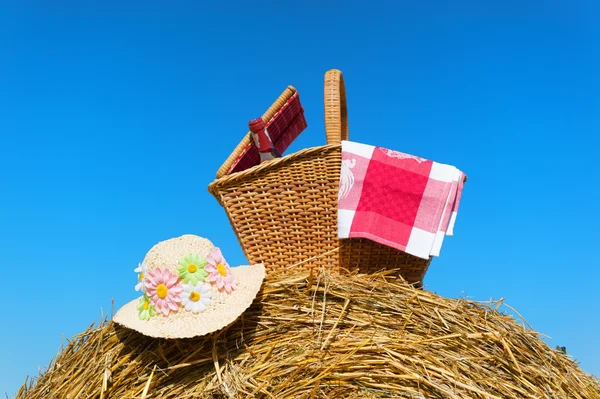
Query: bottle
x: 262, y: 140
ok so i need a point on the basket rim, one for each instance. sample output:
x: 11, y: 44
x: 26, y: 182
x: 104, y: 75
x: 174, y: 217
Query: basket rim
x: 216, y: 184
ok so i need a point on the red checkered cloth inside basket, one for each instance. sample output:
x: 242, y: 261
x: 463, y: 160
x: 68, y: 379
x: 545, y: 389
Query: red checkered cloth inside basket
x: 399, y: 200
x: 283, y: 129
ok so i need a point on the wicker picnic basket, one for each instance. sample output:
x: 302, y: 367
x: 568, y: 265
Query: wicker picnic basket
x: 284, y: 211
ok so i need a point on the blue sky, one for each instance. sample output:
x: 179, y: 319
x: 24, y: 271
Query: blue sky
x: 115, y: 117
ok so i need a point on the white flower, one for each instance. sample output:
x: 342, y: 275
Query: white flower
x: 142, y: 270
x: 196, y: 297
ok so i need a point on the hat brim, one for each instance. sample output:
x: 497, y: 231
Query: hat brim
x: 223, y: 310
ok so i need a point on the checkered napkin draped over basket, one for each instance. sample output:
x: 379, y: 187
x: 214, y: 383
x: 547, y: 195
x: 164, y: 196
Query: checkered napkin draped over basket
x: 399, y: 200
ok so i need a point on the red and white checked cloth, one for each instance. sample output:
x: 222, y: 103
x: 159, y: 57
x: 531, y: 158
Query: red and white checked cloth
x: 398, y: 200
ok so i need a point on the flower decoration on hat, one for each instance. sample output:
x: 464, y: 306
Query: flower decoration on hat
x: 219, y: 271
x: 185, y: 286
x: 164, y: 289
x: 196, y: 297
x: 191, y: 269
x: 142, y: 270
x: 188, y: 290
x: 145, y: 308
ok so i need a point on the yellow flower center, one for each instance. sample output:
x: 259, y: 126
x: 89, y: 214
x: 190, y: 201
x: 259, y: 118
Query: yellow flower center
x: 162, y: 291
x: 192, y: 268
x: 141, y: 276
x: 146, y: 305
x: 221, y: 269
x: 194, y: 296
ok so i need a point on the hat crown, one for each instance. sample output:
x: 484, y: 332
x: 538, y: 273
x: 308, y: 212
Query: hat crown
x: 167, y: 254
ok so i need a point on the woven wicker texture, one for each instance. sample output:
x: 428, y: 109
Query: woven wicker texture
x: 284, y: 212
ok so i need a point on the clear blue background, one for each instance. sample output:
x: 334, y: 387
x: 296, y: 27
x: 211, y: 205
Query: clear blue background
x: 114, y: 118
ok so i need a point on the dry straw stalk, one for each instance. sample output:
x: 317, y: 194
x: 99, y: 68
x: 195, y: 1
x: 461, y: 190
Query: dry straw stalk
x: 325, y: 337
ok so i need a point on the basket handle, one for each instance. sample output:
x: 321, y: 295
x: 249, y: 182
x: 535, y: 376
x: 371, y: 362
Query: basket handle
x: 336, y: 111
x: 241, y: 147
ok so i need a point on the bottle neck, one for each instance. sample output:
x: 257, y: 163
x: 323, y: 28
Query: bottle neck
x: 264, y: 141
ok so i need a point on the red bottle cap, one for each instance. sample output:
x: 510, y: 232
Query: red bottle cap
x: 256, y: 125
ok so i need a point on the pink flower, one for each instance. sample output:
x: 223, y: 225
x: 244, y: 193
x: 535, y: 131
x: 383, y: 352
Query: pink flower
x: 163, y: 288
x: 219, y: 271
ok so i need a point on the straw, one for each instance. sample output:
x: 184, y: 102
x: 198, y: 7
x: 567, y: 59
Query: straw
x: 325, y: 336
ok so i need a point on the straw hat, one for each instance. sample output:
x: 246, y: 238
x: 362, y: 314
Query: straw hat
x: 188, y: 290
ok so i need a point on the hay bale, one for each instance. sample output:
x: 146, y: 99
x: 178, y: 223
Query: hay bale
x: 325, y: 336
